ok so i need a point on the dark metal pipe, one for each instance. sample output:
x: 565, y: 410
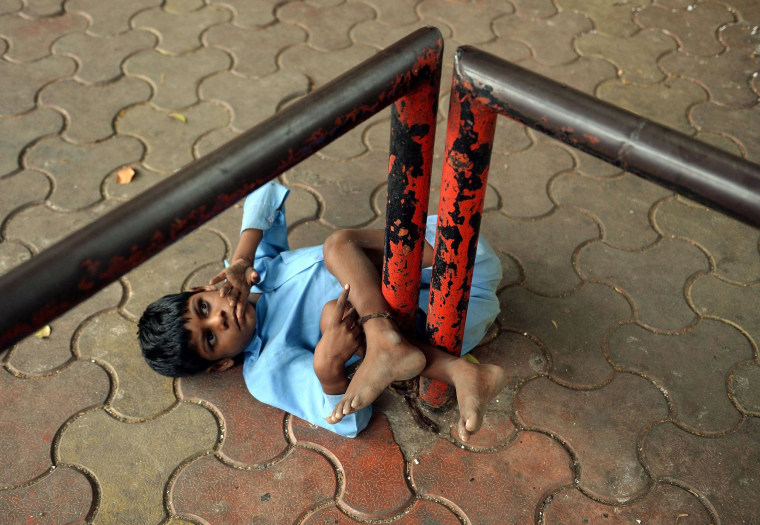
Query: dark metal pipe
x: 657, y: 153
x: 81, y: 264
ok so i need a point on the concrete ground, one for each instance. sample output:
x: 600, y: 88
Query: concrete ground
x: 629, y: 322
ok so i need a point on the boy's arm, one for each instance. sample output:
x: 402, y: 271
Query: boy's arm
x: 263, y: 233
x: 342, y: 337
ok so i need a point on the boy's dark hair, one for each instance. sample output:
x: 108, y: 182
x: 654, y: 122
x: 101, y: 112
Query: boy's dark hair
x: 165, y: 341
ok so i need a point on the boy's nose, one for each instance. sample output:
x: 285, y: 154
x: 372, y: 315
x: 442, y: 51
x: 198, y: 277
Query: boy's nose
x: 220, y: 320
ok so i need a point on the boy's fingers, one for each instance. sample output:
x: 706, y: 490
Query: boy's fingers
x: 343, y: 297
x: 217, y: 278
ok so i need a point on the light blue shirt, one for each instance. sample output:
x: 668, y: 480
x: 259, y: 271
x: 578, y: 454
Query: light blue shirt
x: 295, y: 285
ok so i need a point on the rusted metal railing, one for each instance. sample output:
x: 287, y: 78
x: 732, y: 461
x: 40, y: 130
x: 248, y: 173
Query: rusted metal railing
x: 406, y: 73
x: 483, y: 86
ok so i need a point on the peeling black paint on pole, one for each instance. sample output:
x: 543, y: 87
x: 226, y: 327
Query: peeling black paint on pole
x: 469, y: 142
x: 413, y: 119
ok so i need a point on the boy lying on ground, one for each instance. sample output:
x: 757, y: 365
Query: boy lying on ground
x: 274, y: 313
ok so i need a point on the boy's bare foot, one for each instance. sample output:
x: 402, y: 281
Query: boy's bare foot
x: 389, y: 357
x: 476, y: 386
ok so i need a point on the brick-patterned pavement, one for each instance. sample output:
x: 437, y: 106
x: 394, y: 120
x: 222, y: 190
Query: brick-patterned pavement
x: 629, y: 321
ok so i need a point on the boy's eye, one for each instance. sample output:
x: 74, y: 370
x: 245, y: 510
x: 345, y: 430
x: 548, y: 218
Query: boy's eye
x: 203, y: 308
x: 210, y: 338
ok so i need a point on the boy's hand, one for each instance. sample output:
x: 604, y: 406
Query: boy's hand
x: 239, y: 277
x: 342, y: 337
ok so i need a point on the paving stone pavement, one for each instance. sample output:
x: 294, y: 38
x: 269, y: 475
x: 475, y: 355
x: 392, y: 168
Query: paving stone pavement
x: 629, y: 323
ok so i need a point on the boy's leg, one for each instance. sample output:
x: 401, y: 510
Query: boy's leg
x: 475, y: 384
x: 353, y: 257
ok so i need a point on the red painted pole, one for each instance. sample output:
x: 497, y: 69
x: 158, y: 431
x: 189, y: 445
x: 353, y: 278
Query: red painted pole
x: 413, y: 119
x: 469, y: 141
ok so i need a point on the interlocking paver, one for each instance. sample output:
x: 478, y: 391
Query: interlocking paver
x: 252, y: 14
x: 328, y: 26
x: 323, y: 67
x: 253, y: 100
x: 548, y: 51
x: 635, y: 56
x: 697, y: 391
x: 614, y: 20
x: 527, y: 173
x: 29, y: 39
x: 695, y: 27
x: 621, y: 204
x: 531, y: 454
x: 653, y: 278
x: 19, y: 83
x: 133, y: 461
x: 253, y: 432
x: 280, y: 493
x: 732, y: 302
x: 510, y: 137
x: 41, y: 8
x: 138, y: 393
x: 738, y: 36
x: 423, y: 511
x: 741, y: 124
x: 79, y: 169
x: 592, y: 166
x: 21, y: 188
x: 373, y: 469
x: 12, y: 254
x: 666, y: 103
x: 347, y: 198
x: 40, y: 356
x: 173, y: 87
x: 724, y: 471
x: 99, y: 59
x: 19, y: 132
x: 39, y: 226
x: 577, y: 356
x: 747, y: 10
x: 545, y: 248
x: 267, y: 42
x: 745, y: 387
x: 380, y: 35
x: 179, y: 30
x: 471, y: 23
x: 10, y: 6
x: 732, y: 244
x: 535, y: 8
x: 726, y: 77
x: 663, y: 504
x: 394, y: 13
x: 144, y: 178
x: 30, y: 420
x: 63, y: 496
x: 170, y: 139
x: 88, y: 122
x: 602, y: 433
x: 108, y: 19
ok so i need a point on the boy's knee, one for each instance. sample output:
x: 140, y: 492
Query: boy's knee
x: 323, y: 318
x: 335, y: 240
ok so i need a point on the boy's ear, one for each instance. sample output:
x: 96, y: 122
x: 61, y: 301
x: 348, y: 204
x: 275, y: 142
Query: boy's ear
x: 206, y: 288
x: 221, y: 365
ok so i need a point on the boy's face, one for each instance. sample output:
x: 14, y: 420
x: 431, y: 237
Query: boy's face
x: 215, y: 332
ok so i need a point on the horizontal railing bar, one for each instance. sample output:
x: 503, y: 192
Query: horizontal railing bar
x: 662, y: 155
x: 84, y: 262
